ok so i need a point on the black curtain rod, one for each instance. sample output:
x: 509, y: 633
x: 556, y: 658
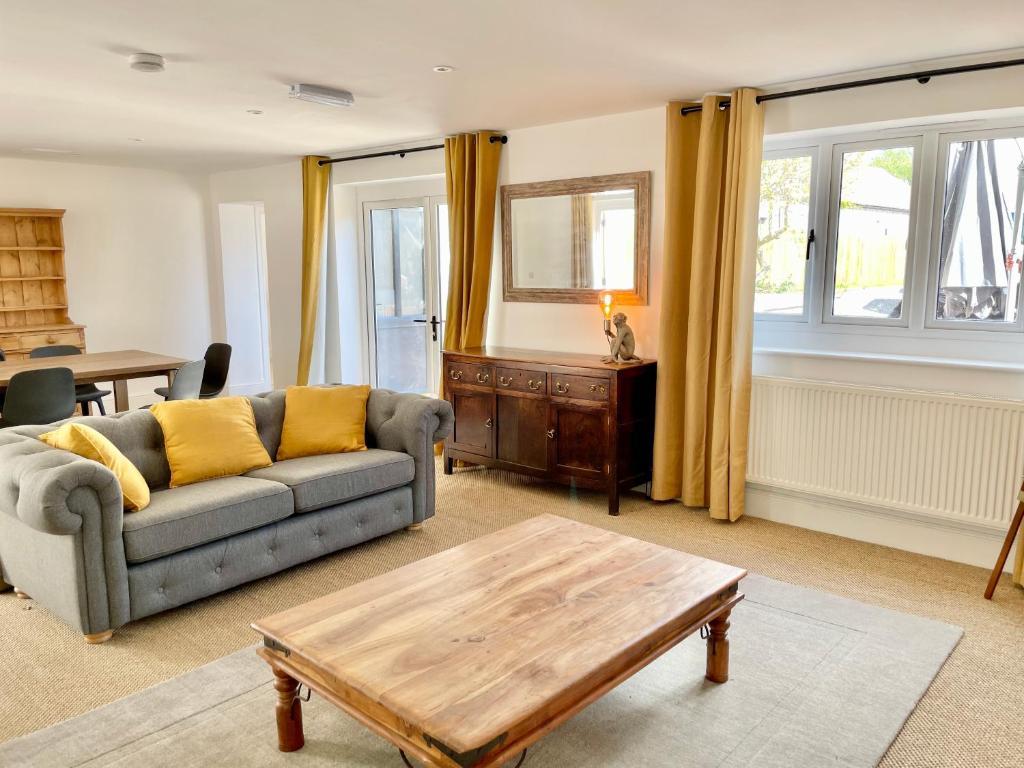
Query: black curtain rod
x: 921, y: 77
x: 401, y: 152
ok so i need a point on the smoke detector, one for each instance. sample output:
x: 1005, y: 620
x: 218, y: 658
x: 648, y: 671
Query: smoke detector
x: 146, y: 62
x: 333, y: 97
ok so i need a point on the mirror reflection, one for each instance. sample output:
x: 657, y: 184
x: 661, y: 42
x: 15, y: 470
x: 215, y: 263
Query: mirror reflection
x: 567, y: 241
x: 575, y: 241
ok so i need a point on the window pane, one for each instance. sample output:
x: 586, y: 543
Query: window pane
x: 979, y: 271
x: 782, y: 226
x: 874, y: 225
x: 396, y: 241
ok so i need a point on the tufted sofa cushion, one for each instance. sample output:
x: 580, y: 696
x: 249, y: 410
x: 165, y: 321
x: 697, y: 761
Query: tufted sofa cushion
x: 135, y: 433
x: 186, y: 517
x: 320, y: 481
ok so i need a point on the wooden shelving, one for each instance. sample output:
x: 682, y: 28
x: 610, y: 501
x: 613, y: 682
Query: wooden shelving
x: 33, y: 283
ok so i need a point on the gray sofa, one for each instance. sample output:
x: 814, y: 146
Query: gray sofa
x: 66, y: 542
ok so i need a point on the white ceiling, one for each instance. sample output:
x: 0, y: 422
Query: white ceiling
x: 65, y: 82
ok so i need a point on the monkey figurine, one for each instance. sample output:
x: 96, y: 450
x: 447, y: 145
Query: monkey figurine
x: 622, y: 342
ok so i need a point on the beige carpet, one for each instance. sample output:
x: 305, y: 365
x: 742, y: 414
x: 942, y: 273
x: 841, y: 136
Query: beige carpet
x: 971, y: 716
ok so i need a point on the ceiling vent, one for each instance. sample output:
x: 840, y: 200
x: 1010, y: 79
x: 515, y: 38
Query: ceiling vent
x: 334, y: 97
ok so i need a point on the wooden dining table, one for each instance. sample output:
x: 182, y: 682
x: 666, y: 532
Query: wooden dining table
x: 95, y: 367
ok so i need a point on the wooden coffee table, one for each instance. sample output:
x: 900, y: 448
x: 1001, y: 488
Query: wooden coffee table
x: 468, y: 657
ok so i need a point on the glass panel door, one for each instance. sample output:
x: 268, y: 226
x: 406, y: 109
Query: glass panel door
x: 402, y: 256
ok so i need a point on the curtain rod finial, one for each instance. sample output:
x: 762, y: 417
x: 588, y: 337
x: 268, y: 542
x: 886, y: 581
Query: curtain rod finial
x: 502, y: 139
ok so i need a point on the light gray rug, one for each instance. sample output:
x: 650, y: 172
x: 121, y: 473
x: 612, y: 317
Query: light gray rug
x: 815, y: 680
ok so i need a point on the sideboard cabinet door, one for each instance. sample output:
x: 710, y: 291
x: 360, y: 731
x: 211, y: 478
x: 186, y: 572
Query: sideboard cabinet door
x: 522, y: 424
x: 474, y: 422
x: 578, y: 438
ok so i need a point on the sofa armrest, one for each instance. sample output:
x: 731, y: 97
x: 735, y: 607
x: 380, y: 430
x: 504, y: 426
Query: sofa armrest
x: 60, y: 533
x: 411, y: 424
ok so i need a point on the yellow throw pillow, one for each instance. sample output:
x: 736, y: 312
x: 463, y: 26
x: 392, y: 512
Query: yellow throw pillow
x: 323, y: 420
x: 205, y: 439
x: 87, y: 442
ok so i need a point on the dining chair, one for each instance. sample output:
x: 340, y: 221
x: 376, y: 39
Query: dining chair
x: 187, y: 381
x: 84, y: 393
x: 215, y: 375
x: 39, y: 397
x: 3, y: 390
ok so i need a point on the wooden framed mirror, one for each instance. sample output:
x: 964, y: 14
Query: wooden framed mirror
x: 571, y: 240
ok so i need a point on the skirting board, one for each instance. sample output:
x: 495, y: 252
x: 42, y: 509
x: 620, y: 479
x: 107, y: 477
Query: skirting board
x: 887, y: 527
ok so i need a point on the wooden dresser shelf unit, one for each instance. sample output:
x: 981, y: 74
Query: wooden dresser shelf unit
x: 33, y: 286
x: 565, y: 417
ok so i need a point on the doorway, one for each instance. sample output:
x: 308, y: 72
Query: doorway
x: 407, y: 260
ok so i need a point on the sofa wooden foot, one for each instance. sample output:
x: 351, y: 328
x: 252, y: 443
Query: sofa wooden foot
x: 22, y: 595
x: 99, y: 637
x: 414, y: 527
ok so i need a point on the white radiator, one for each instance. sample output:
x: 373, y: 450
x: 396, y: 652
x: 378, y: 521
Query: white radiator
x: 941, y: 456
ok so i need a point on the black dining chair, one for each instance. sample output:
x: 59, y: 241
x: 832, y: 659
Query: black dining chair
x: 188, y: 382
x: 215, y: 375
x: 42, y: 396
x: 3, y: 390
x: 84, y: 393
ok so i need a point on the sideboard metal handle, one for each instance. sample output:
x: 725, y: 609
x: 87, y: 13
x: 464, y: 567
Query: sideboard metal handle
x: 489, y: 423
x: 561, y: 388
x: 456, y: 375
x: 534, y: 385
x: 483, y: 378
x: 598, y: 388
x: 551, y: 434
x: 505, y: 381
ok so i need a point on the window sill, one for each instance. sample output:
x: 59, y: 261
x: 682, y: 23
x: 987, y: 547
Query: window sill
x: 863, y: 357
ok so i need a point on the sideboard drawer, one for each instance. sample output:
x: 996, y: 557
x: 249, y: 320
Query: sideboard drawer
x: 579, y: 387
x: 469, y: 373
x: 522, y: 380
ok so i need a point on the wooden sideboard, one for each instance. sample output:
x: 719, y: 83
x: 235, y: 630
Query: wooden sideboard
x: 566, y: 417
x: 33, y: 285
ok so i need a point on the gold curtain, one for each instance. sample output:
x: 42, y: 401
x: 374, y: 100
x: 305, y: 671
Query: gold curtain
x: 582, y: 240
x: 471, y: 176
x: 712, y: 176
x: 315, y: 183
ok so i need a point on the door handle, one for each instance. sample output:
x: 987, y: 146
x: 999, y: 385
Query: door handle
x: 489, y: 423
x: 505, y: 381
x: 810, y: 242
x: 483, y: 378
x: 561, y: 388
x: 455, y: 375
x: 534, y: 385
x: 551, y: 434
x: 434, y: 324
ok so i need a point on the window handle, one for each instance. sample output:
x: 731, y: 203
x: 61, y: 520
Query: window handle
x: 810, y: 242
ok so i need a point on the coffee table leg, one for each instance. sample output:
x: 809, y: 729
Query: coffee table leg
x: 289, y: 713
x: 718, y: 649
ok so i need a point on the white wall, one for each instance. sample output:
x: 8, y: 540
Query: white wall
x: 279, y: 188
x: 135, y: 250
x: 634, y: 141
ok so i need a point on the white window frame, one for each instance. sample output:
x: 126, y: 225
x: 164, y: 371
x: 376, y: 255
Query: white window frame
x: 935, y: 339
x: 832, y: 244
x: 811, y: 151
x: 945, y: 139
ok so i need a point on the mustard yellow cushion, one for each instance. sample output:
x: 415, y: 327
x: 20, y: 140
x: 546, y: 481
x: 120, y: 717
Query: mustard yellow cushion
x: 323, y: 420
x: 87, y: 442
x: 212, y: 438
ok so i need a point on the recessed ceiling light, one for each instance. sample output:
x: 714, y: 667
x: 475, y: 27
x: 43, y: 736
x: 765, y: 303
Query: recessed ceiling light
x: 49, y: 150
x: 254, y: 111
x: 146, y: 62
x: 442, y: 68
x: 132, y: 138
